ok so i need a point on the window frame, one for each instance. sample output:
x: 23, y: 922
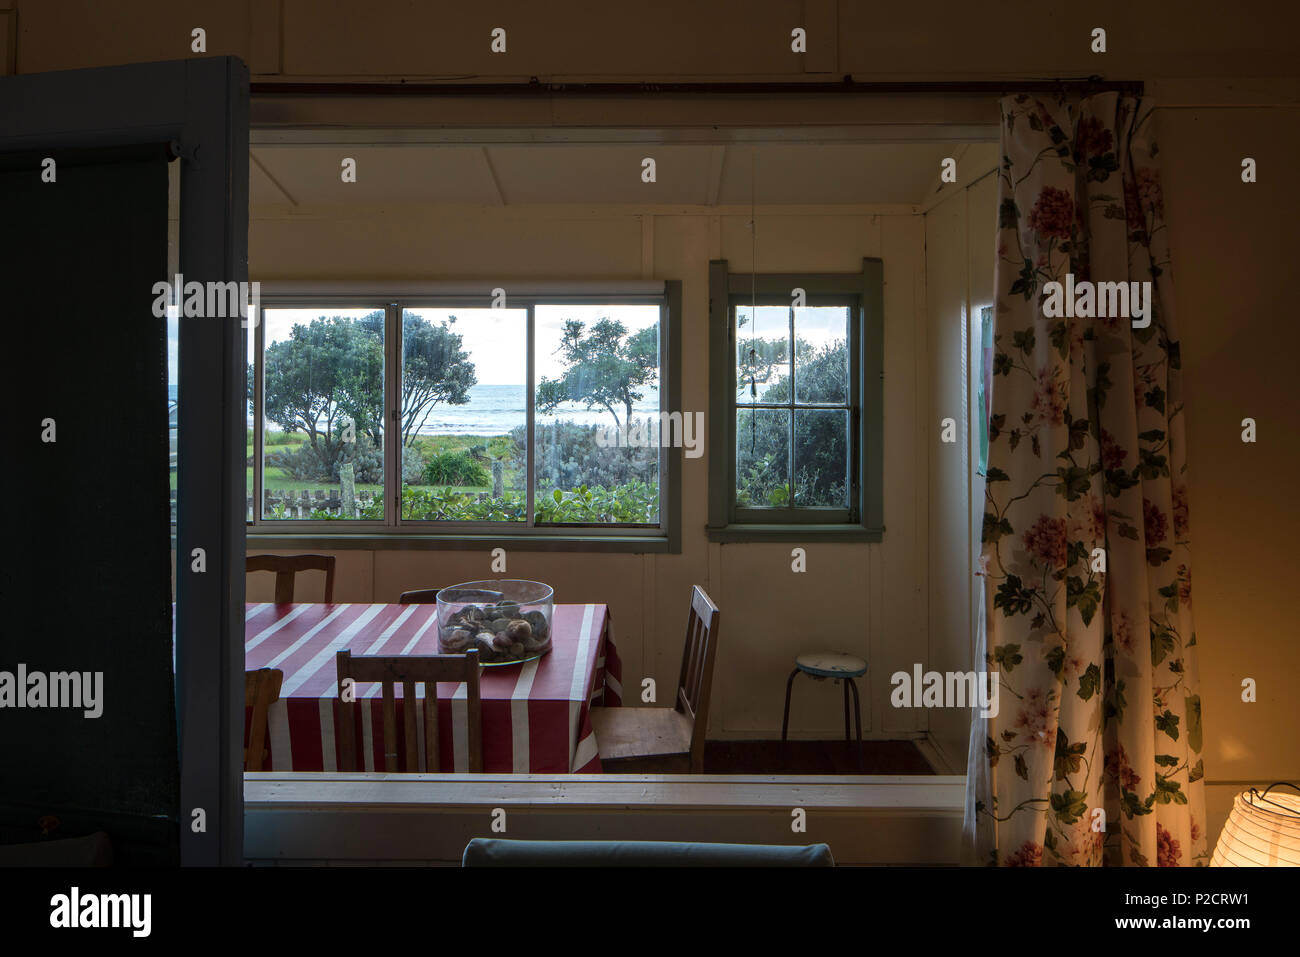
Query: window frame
x: 395, y: 532
x: 863, y: 292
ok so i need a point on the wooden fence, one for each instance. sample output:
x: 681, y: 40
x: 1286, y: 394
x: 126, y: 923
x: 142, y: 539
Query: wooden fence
x: 300, y: 504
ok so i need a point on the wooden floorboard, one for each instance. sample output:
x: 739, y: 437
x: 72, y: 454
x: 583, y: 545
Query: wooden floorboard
x: 813, y: 757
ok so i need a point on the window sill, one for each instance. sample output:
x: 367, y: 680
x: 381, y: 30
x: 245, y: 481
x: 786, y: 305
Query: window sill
x: 795, y: 533
x: 407, y: 541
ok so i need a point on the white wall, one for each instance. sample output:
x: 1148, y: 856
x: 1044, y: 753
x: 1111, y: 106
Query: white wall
x: 959, y: 226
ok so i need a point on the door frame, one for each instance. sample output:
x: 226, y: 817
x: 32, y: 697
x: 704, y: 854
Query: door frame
x: 199, y: 106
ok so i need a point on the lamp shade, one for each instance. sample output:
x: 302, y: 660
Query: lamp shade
x: 1263, y: 830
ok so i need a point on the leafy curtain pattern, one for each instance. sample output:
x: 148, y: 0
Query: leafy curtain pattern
x: 1100, y: 705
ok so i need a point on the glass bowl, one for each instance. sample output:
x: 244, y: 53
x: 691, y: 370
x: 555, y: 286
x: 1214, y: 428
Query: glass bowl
x: 507, y: 620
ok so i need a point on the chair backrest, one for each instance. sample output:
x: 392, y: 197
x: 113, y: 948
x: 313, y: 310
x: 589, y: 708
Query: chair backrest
x: 696, y: 681
x: 408, y: 670
x: 421, y: 596
x: 287, y: 566
x: 261, y: 688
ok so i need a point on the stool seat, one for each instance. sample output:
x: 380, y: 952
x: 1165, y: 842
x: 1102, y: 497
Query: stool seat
x: 831, y: 665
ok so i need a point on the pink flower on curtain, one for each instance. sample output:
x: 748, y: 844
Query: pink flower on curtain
x: 1049, y: 398
x: 1088, y: 520
x: 1053, y: 213
x: 1184, y: 583
x: 1112, y: 453
x: 1180, y: 511
x: 1092, y: 138
x: 1168, y: 852
x: 1117, y: 766
x: 1046, y: 541
x: 1085, y: 843
x: 1029, y: 855
x: 1148, y: 189
x: 1034, y: 719
x: 1122, y: 632
x: 1157, y: 526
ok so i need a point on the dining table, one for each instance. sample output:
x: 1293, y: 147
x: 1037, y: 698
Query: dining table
x: 536, y: 715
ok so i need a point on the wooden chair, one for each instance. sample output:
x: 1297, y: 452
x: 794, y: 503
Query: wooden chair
x: 651, y: 740
x: 287, y: 566
x: 261, y: 689
x: 409, y: 670
x: 421, y: 596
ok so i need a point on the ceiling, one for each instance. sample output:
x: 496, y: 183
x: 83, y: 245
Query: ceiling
x: 526, y: 174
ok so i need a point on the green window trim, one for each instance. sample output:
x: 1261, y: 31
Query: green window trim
x: 864, y: 293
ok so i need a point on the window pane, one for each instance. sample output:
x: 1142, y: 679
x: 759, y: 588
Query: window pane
x: 762, y: 354
x: 821, y: 356
x: 323, y: 413
x: 821, y: 458
x: 762, y: 458
x: 464, y: 414
x: 597, y: 414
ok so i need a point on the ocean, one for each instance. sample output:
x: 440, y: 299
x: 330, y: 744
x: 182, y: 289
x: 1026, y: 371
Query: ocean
x: 496, y: 409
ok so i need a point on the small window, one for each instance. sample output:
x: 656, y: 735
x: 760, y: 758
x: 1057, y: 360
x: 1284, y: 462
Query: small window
x: 796, y: 385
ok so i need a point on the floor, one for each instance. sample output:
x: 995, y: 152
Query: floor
x: 813, y: 757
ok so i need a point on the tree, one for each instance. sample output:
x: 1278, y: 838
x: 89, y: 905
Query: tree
x: 605, y: 367
x: 325, y: 372
x: 821, y: 440
x: 434, y: 369
x: 332, y: 370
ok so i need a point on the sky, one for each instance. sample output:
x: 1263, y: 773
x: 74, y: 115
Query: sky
x: 496, y: 339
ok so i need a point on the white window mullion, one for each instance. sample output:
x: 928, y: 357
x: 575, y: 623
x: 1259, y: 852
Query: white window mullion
x: 530, y: 429
x: 393, y: 450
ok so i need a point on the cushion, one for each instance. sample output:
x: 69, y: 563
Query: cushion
x: 492, y: 852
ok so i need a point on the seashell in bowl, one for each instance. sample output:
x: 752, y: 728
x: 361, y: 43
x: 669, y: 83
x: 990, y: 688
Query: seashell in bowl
x: 537, y: 621
x: 457, y: 640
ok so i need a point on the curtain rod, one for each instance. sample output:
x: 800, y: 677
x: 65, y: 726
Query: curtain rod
x: 535, y: 87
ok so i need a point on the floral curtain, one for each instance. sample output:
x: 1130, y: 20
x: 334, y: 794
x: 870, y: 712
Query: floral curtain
x: 1094, y: 756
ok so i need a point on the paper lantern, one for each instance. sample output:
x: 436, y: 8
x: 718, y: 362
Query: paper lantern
x: 1263, y: 830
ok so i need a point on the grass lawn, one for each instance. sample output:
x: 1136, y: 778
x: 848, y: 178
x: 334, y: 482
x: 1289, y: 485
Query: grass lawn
x: 495, y: 446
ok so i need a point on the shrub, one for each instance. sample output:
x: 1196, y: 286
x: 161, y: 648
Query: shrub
x: 634, y: 503
x: 413, y: 465
x: 568, y: 457
x: 455, y: 468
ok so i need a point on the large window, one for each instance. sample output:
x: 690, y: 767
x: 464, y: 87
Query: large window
x: 536, y: 417
x: 795, y: 378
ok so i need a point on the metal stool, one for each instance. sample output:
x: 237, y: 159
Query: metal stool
x: 823, y: 665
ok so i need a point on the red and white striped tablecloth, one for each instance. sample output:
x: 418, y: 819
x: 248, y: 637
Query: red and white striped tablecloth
x: 536, y: 716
